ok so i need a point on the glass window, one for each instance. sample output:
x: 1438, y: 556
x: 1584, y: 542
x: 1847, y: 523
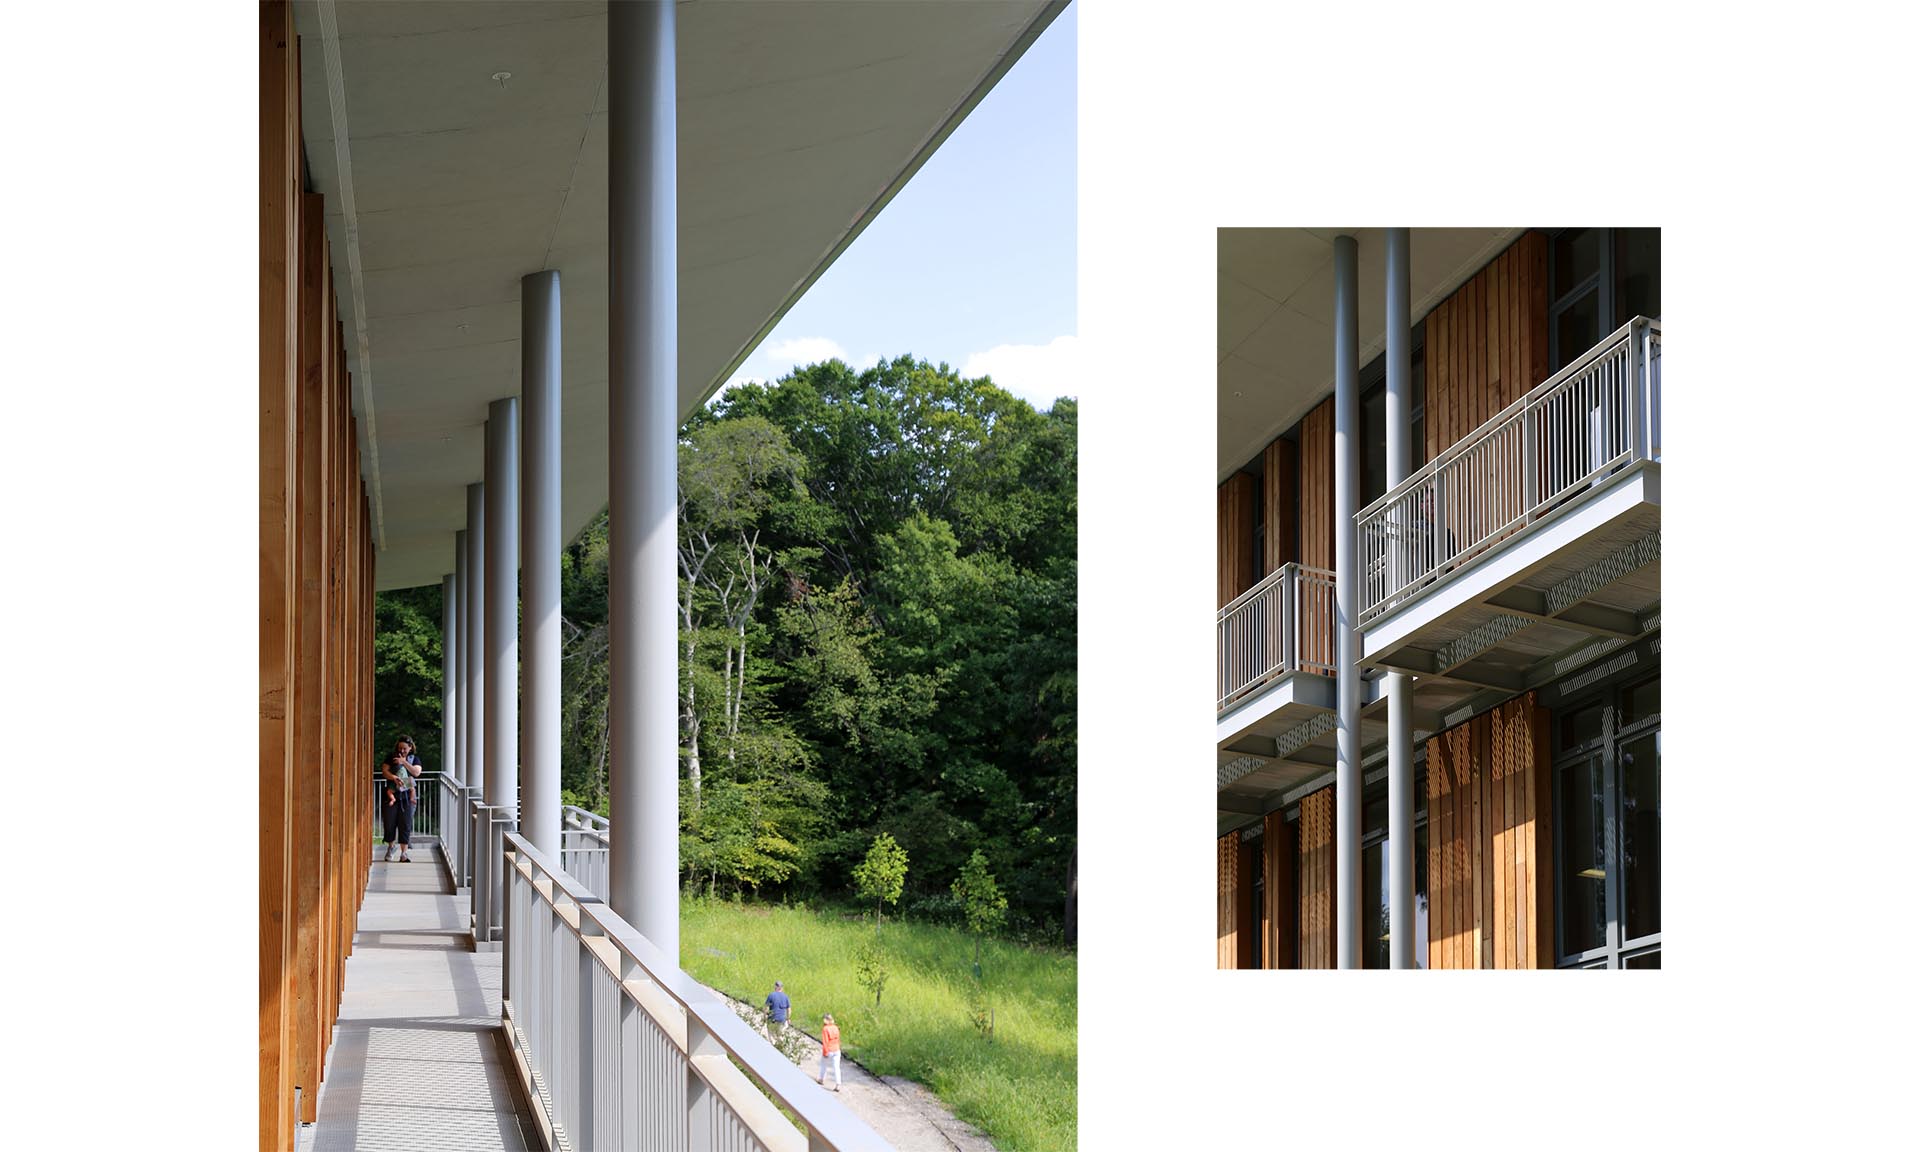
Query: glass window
x: 1576, y: 256
x: 1420, y: 891
x: 1374, y: 420
x: 1583, y: 877
x: 1640, y: 833
x: 1576, y: 328
x: 1636, y: 273
x: 1373, y: 907
x: 1576, y: 728
x: 1639, y: 702
x: 1644, y: 960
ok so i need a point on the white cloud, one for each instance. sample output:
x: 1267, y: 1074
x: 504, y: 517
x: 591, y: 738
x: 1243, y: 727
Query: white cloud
x: 1037, y: 373
x: 780, y: 358
x: 770, y: 362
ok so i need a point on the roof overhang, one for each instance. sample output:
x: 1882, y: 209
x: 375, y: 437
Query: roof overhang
x: 462, y: 145
x: 1275, y: 316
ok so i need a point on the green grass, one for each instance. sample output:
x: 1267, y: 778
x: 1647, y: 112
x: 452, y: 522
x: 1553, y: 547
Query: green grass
x: 1019, y: 1089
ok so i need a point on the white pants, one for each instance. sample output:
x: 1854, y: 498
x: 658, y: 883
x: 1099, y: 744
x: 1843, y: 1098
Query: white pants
x: 835, y: 1058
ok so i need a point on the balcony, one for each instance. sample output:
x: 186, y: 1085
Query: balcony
x: 1275, y: 677
x: 1531, y: 545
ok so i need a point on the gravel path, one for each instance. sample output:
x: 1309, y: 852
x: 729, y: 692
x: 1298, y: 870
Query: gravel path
x: 908, y: 1116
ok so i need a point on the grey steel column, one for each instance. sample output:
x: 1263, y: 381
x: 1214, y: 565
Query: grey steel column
x: 459, y: 759
x: 503, y: 591
x: 476, y: 645
x: 449, y: 671
x: 1346, y: 431
x: 540, y: 561
x: 1399, y: 862
x: 643, y: 363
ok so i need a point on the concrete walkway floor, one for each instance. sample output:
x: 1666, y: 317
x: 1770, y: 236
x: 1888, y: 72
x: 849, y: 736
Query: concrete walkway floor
x: 418, y: 1062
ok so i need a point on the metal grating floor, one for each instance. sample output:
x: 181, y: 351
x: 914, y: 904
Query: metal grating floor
x: 418, y: 1062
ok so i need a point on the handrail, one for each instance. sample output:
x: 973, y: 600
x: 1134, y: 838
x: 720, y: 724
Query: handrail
x: 627, y: 1050
x: 1283, y: 624
x: 1566, y: 435
x: 585, y: 846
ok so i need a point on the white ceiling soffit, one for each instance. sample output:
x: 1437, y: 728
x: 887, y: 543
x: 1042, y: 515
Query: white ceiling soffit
x: 798, y: 123
x: 1275, y: 310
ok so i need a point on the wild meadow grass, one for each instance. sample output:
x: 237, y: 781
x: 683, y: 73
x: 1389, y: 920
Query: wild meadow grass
x: 1018, y: 1088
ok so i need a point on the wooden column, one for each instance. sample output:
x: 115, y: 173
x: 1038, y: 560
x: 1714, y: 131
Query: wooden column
x: 279, y: 377
x: 1282, y: 932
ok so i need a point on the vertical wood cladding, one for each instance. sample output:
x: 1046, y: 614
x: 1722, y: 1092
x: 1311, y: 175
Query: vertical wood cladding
x: 1316, y: 487
x: 1236, y: 536
x: 1487, y: 343
x: 1282, y: 930
x: 279, y: 152
x: 1226, y: 861
x: 1280, y: 483
x: 1489, y: 846
x: 316, y: 620
x: 1317, y: 916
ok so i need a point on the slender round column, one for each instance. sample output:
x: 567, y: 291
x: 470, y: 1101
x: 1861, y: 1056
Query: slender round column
x: 1346, y: 444
x: 503, y: 589
x: 449, y: 662
x: 475, y: 647
x: 540, y: 561
x: 1399, y: 848
x: 643, y: 363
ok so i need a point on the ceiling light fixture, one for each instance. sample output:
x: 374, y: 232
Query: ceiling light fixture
x: 501, y: 78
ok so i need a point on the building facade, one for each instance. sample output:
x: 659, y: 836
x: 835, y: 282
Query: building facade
x: 1438, y: 704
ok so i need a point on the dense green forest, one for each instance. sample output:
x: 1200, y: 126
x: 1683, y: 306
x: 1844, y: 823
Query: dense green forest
x: 878, y: 629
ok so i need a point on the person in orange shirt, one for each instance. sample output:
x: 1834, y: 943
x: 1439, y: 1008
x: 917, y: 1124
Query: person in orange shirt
x: 829, y: 1050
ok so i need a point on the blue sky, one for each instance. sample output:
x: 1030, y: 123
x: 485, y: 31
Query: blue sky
x: 973, y: 262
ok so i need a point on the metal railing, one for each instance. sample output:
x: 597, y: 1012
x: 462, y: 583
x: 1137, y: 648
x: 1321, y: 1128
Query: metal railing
x: 1282, y: 624
x: 625, y: 1050
x: 583, y: 847
x: 426, y: 809
x: 1595, y: 417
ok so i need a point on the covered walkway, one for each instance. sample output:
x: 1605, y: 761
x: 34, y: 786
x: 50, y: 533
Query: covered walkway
x: 418, y: 1060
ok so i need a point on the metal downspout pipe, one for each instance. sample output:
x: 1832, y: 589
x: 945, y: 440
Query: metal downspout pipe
x: 1400, y: 799
x: 643, y: 363
x: 1346, y: 428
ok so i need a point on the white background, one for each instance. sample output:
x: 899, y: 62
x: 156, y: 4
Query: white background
x: 1773, y: 148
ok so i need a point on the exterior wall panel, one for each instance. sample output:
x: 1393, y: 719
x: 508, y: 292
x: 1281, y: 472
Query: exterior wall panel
x: 1486, y: 343
x: 1280, y: 486
x: 1226, y: 860
x: 1317, y: 914
x: 1236, y: 536
x: 1488, y: 838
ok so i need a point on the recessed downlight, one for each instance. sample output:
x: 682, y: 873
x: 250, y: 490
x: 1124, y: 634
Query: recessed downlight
x: 501, y: 78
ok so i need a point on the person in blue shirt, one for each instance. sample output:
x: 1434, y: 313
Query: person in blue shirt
x: 778, y: 1009
x: 401, y: 770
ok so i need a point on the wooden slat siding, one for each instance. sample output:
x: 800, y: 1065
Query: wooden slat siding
x: 279, y: 377
x: 1278, y: 849
x: 1224, y: 947
x: 1317, y: 907
x: 1487, y: 834
x: 309, y: 685
x: 1279, y: 486
x: 1236, y: 535
x: 1316, y: 522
